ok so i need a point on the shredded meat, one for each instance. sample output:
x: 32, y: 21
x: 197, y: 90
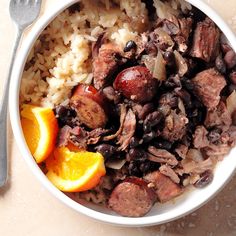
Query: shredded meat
x: 169, y: 172
x: 78, y: 136
x: 190, y: 166
x: 175, y: 126
x: 207, y: 87
x: 169, y: 99
x: 200, y: 137
x: 63, y: 136
x: 182, y: 37
x: 128, y: 130
x: 206, y: 41
x: 161, y: 156
x: 95, y: 135
x: 218, y: 152
x: 182, y: 150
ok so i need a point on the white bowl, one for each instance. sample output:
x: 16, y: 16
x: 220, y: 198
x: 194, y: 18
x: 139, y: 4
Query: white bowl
x: 160, y: 213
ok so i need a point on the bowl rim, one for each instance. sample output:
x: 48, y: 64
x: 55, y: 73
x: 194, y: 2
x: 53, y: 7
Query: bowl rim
x: 17, y: 131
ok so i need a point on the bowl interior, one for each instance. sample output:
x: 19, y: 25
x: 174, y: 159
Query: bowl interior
x: 160, y: 213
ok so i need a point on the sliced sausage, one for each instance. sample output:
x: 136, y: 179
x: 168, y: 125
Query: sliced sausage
x: 132, y: 198
x: 165, y: 188
x: 136, y: 83
x: 90, y: 106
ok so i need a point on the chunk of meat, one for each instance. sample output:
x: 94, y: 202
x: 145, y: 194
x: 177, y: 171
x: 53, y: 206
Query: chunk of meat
x: 165, y: 188
x: 90, y: 105
x: 161, y: 156
x: 105, y: 64
x: 207, y: 87
x: 175, y: 126
x: 206, y: 41
x: 132, y: 197
x: 200, y: 137
x: 128, y: 130
x: 218, y: 117
x: 169, y: 172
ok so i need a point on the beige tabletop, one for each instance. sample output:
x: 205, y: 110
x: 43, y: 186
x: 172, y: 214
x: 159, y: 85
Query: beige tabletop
x: 27, y: 208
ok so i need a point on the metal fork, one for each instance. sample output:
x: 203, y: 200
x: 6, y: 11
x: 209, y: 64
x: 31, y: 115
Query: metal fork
x: 23, y: 13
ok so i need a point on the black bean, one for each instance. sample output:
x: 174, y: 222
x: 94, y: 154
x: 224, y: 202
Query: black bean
x: 148, y: 166
x: 152, y: 120
x: 106, y: 150
x: 137, y: 154
x: 134, y: 142
x: 130, y: 45
x: 172, y: 82
x: 64, y: 115
x: 146, y: 109
x: 61, y: 111
x: 187, y: 83
x: 205, y: 179
x: 147, y: 137
x: 220, y: 64
x: 133, y: 169
x: 169, y: 57
x: 163, y: 144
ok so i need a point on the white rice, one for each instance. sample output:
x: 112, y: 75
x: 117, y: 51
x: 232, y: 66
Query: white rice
x: 61, y: 57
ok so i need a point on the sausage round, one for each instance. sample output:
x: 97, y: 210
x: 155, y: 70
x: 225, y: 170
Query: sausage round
x: 90, y: 106
x: 132, y: 198
x: 136, y: 83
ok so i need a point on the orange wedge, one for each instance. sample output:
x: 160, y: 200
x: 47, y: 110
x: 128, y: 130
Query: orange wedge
x: 75, y: 171
x: 40, y: 129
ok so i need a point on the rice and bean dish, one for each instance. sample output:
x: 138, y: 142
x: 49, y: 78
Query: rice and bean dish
x: 133, y: 101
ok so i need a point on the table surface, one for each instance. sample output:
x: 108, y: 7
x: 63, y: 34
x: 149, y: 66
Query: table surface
x: 27, y: 208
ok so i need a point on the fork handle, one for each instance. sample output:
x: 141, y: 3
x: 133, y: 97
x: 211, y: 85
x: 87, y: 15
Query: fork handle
x: 4, y: 115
